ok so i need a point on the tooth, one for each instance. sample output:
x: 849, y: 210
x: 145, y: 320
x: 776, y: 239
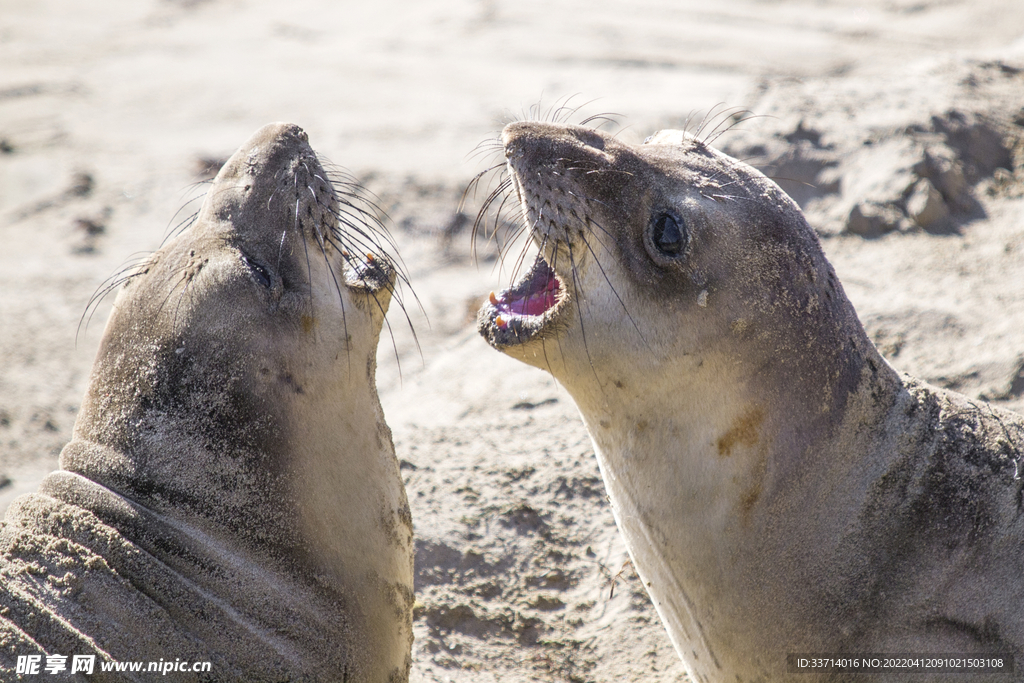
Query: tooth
x: 493, y: 299
x: 500, y: 322
x: 369, y: 256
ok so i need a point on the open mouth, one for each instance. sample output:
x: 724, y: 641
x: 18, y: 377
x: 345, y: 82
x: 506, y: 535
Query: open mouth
x: 515, y: 315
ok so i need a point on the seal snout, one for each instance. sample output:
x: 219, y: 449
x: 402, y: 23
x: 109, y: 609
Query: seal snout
x: 275, y: 199
x: 547, y: 142
x: 281, y: 134
x: 551, y: 168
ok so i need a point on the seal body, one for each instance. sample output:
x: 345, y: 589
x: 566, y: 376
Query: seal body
x: 781, y: 489
x: 231, y: 494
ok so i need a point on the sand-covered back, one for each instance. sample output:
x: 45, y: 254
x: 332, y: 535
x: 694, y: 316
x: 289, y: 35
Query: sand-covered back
x: 899, y: 126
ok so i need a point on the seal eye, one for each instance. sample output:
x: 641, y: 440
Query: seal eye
x: 668, y: 234
x: 259, y: 272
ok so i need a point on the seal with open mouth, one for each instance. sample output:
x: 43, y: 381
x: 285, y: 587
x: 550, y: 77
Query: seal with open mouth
x: 231, y: 494
x: 781, y: 489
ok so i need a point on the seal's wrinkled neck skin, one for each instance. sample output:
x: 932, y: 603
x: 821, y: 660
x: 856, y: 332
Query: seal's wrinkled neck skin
x: 715, y: 360
x: 234, y: 396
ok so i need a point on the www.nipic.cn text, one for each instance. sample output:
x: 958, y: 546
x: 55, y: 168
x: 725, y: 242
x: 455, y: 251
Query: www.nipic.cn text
x: 86, y: 664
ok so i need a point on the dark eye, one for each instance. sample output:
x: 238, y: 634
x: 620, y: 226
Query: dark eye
x: 259, y: 272
x: 668, y: 234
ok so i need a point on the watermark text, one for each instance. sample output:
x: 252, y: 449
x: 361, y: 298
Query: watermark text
x: 40, y: 665
x: 904, y: 663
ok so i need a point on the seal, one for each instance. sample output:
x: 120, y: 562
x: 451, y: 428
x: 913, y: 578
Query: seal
x: 230, y: 507
x: 781, y: 489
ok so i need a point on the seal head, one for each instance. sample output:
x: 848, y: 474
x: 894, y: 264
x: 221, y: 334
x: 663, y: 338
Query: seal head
x: 749, y: 434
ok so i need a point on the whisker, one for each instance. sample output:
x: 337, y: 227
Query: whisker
x: 608, y: 117
x: 709, y: 116
x: 481, y: 216
x: 131, y: 268
x: 577, y: 290
x: 741, y: 116
x: 614, y: 291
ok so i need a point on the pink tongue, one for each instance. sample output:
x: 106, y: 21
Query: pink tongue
x: 535, y: 304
